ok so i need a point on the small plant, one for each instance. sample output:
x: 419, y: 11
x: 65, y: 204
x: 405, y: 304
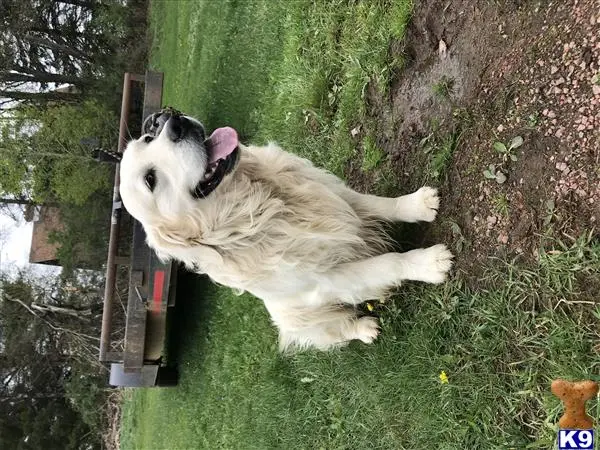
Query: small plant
x: 507, y: 151
x: 500, y: 204
x: 460, y: 242
x: 439, y: 150
x: 444, y: 87
x: 492, y: 173
x: 550, y: 213
x: 498, y: 172
x: 533, y: 120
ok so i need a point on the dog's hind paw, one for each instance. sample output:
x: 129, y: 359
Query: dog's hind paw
x: 367, y: 329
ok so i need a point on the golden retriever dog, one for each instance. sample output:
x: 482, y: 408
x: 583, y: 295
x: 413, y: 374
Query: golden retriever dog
x: 261, y: 220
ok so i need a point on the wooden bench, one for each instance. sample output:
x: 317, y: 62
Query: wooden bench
x: 151, y: 287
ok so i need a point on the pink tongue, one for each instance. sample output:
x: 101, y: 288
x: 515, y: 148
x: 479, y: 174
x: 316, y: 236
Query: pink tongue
x: 223, y: 141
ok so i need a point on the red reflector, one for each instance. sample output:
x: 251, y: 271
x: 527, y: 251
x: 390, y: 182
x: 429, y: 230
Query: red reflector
x: 159, y: 282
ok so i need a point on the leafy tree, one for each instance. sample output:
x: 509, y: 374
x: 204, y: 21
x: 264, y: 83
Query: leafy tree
x: 47, y: 43
x: 44, y: 156
x: 48, y: 350
x: 84, y: 240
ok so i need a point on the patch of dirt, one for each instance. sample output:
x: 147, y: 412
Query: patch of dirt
x: 112, y: 432
x: 529, y: 69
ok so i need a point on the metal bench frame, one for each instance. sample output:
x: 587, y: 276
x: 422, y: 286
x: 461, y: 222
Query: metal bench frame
x: 151, y: 288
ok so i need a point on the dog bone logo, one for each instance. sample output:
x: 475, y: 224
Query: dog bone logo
x: 574, y: 395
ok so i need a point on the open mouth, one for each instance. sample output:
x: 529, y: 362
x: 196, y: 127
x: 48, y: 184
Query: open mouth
x: 223, y: 153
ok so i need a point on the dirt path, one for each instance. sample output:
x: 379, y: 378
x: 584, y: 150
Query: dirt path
x: 479, y: 74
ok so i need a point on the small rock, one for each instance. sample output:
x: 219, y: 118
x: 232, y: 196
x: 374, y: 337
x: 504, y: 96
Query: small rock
x: 560, y: 81
x: 596, y: 89
x: 551, y: 114
x: 553, y: 70
x: 491, y: 220
x: 442, y: 49
x: 500, y: 128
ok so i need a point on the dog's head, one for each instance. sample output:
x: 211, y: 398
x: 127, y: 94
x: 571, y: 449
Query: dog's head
x: 173, y: 165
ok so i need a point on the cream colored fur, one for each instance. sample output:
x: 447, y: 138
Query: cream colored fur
x: 291, y: 234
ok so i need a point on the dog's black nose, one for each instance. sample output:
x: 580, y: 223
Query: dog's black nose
x: 175, y: 125
x: 177, y: 128
x: 154, y: 123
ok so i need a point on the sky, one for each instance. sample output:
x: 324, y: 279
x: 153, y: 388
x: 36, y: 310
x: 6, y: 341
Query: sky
x: 14, y: 248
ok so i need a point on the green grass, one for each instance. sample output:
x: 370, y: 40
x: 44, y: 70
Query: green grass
x: 438, y: 147
x: 373, y: 156
x: 443, y: 88
x: 293, y: 71
x: 500, y: 344
x: 500, y: 204
x: 297, y: 72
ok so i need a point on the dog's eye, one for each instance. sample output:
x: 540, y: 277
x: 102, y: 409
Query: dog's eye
x: 150, y: 179
x: 148, y: 139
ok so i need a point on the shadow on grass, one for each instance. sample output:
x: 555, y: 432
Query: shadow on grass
x: 191, y: 314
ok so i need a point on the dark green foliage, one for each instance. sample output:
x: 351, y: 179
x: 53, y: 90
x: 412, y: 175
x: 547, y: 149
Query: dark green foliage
x: 42, y: 361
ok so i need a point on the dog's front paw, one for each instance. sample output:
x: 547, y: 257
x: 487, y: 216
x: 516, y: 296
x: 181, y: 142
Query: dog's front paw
x: 367, y: 329
x: 430, y: 265
x: 427, y: 203
x: 439, y: 263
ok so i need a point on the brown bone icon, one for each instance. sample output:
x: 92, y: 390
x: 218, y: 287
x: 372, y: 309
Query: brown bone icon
x: 574, y: 395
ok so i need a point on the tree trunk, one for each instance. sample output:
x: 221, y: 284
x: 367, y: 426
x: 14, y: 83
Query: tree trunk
x: 18, y: 201
x: 40, y: 97
x: 87, y: 4
x: 77, y: 313
x: 34, y: 76
x: 23, y: 397
x: 58, y: 47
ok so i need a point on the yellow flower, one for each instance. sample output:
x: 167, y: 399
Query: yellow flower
x: 443, y: 377
x: 369, y: 306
